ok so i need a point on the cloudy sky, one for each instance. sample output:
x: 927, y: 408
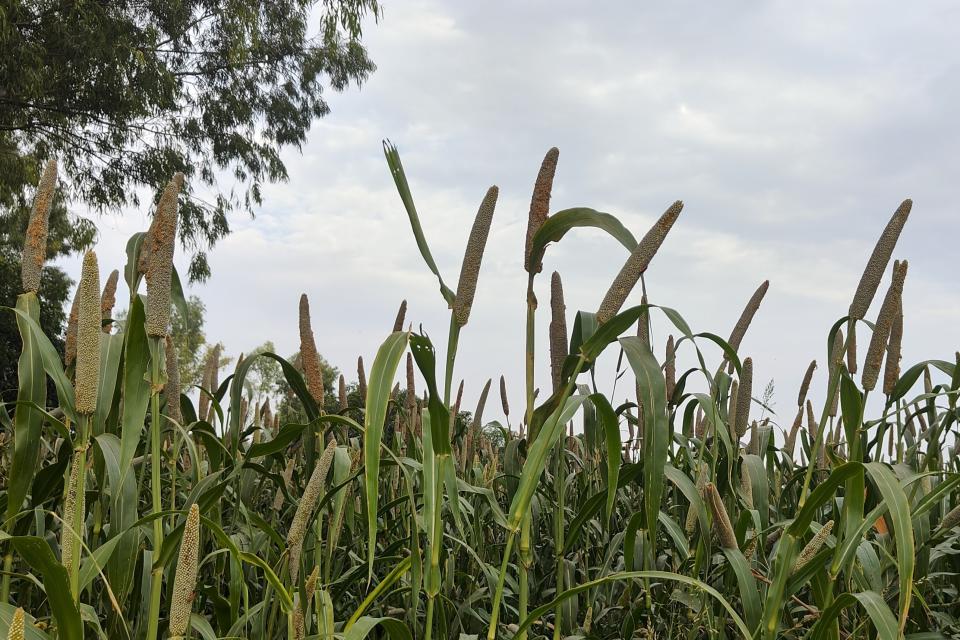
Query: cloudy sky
x: 790, y: 130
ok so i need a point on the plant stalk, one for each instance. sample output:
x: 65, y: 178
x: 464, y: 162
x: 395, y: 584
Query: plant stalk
x: 156, y: 578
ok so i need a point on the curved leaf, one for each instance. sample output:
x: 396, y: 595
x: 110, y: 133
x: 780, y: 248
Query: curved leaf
x: 559, y: 223
x: 379, y: 387
x: 880, y: 614
x: 636, y: 575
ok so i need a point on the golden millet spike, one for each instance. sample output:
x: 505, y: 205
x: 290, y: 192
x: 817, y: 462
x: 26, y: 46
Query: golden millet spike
x: 35, y: 242
x: 185, y: 579
x: 721, y: 521
x: 308, y: 502
x: 88, y: 336
x: 162, y: 241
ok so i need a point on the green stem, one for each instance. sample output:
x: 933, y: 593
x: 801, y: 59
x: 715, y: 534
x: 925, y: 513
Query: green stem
x: 7, y: 568
x: 156, y: 579
x: 558, y: 535
x: 530, y: 350
x: 498, y: 595
x: 526, y: 559
x: 453, y: 338
x: 428, y: 632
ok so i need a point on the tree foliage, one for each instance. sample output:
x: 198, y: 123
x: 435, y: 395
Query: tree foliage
x: 189, y: 337
x: 126, y: 93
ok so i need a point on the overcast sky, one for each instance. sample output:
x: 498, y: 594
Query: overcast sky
x: 790, y: 130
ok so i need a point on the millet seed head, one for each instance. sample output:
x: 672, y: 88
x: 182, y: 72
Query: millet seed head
x: 950, y: 520
x: 702, y: 476
x: 266, y: 415
x: 503, y: 396
x: 852, y: 346
x: 210, y: 381
x: 109, y: 298
x: 637, y: 263
x: 304, y: 513
x: 185, y: 578
x: 88, y: 336
x: 35, y: 242
x: 643, y: 323
x: 172, y: 388
x: 310, y: 358
x: 473, y: 256
x: 401, y: 315
x: 670, y: 367
x: 558, y: 330
x: 891, y: 370
x: 836, y: 351
x: 877, y: 264
x: 790, y: 442
x: 881, y: 329
x: 16, y: 630
x: 73, y: 506
x: 540, y: 205
x: 813, y: 546
x: 361, y: 379
x: 746, y: 485
x: 732, y: 408
x: 162, y: 241
x: 744, y: 394
x: 411, y: 386
x: 721, y: 521
x: 746, y: 317
x: 805, y: 385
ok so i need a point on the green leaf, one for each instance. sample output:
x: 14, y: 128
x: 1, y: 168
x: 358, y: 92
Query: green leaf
x: 656, y: 427
x: 111, y: 349
x: 611, y: 432
x: 880, y: 614
x: 28, y: 422
x: 391, y: 626
x: 121, y: 564
x: 425, y: 356
x: 559, y: 223
x: 400, y: 179
x: 899, y: 509
x: 747, y: 586
x: 537, y: 459
x: 36, y: 552
x: 395, y: 574
x: 379, y: 387
x: 293, y: 378
x: 689, y: 491
x: 131, y: 271
x: 136, y: 387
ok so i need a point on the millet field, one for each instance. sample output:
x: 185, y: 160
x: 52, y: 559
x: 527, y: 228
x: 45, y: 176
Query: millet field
x: 135, y: 507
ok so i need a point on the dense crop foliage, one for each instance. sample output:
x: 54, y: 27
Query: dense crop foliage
x: 131, y: 511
